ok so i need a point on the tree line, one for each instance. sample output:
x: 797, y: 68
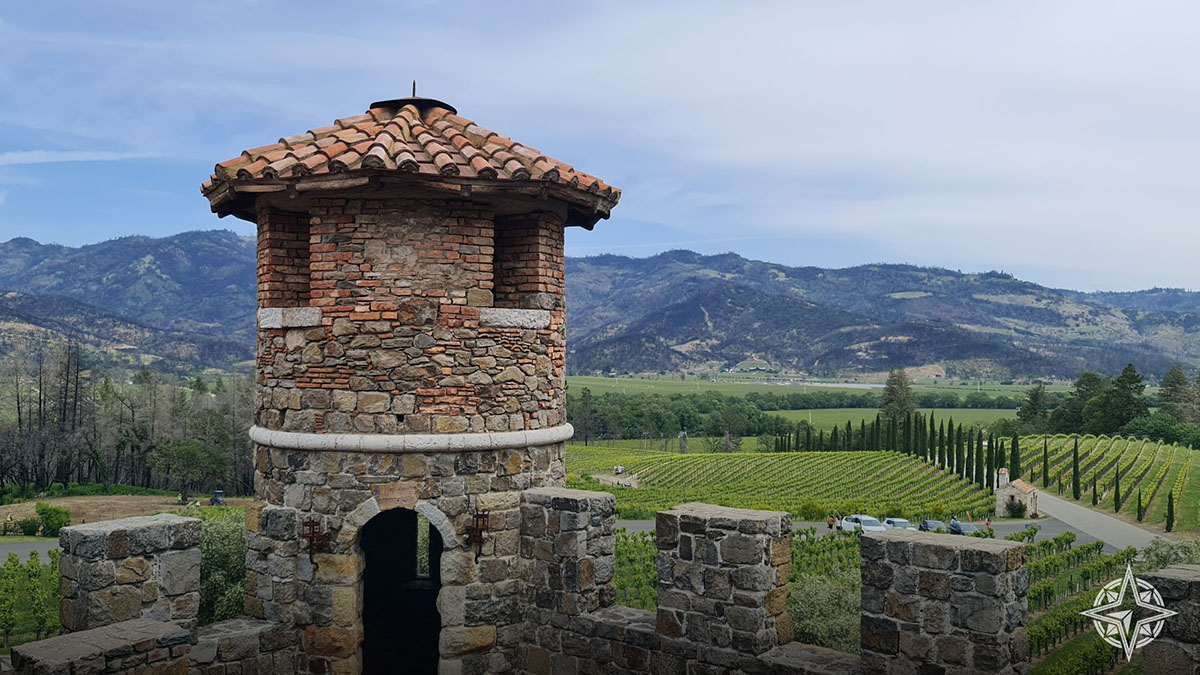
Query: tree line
x: 63, y: 421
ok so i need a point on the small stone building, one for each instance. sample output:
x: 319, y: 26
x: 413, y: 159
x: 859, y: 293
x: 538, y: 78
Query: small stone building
x: 1014, y: 491
x: 410, y: 363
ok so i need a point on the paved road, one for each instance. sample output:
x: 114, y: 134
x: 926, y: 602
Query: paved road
x: 1047, y: 528
x: 22, y: 550
x: 1116, y: 532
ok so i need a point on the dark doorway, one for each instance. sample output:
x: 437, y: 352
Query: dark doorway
x: 401, y: 579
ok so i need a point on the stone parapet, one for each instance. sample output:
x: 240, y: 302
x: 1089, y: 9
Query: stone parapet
x: 723, y: 576
x: 240, y: 646
x: 568, y: 545
x: 933, y: 601
x: 141, y: 646
x: 113, y: 571
x: 1177, y: 648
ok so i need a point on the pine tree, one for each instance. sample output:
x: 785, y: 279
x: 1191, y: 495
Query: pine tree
x: 1014, y: 462
x: 1075, y: 493
x: 1140, y: 512
x: 1117, y: 489
x: 1045, y: 463
x: 1170, y: 510
x: 897, y: 399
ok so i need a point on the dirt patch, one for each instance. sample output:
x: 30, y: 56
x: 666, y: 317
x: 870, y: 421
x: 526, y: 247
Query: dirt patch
x: 624, y: 480
x: 104, y: 507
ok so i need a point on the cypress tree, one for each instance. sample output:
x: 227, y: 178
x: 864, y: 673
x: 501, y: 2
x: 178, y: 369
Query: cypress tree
x: 821, y: 441
x: 959, y: 456
x: 1095, y: 492
x: 808, y: 438
x: 891, y: 445
x: 969, y: 469
x: 1117, y: 489
x: 1075, y: 471
x: 1014, y: 469
x: 979, y: 462
x: 1140, y: 513
x: 941, y: 458
x: 862, y: 435
x: 990, y: 481
x: 932, y: 440
x: 1045, y: 463
x: 1060, y: 481
x: 849, y: 436
x: 1170, y: 510
x: 834, y: 441
x: 908, y: 434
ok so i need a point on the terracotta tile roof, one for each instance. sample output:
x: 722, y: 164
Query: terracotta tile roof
x: 421, y: 137
x: 1022, y: 485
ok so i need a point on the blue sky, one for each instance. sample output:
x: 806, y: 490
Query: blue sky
x: 1057, y: 141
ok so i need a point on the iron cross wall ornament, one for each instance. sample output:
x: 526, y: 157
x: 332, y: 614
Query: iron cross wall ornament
x: 1124, y: 628
x: 476, y: 530
x: 318, y: 541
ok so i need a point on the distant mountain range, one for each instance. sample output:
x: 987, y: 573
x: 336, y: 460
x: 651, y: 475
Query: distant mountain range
x: 187, y: 302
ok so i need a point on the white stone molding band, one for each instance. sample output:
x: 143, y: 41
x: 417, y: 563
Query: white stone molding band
x: 289, y: 317
x: 504, y: 317
x: 401, y: 443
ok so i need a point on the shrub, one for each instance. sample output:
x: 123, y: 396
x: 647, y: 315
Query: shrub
x: 1015, y: 509
x: 222, y: 562
x: 827, y: 609
x: 53, y: 518
x: 29, y: 526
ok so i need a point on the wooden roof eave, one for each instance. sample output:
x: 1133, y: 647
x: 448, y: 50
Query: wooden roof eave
x: 236, y: 196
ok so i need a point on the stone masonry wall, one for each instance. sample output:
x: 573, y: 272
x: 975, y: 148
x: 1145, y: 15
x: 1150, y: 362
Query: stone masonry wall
x: 113, y: 571
x: 321, y: 594
x: 134, y: 647
x: 246, y: 647
x: 1177, y: 649
x: 950, y: 605
x: 720, y: 594
x: 408, y: 340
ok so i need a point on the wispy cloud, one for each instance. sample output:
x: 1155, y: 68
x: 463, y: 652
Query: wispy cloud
x: 17, y: 157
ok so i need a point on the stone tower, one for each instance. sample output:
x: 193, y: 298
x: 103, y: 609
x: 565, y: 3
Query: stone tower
x: 409, y: 363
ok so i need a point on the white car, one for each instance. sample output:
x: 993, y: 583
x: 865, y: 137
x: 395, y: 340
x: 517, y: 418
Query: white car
x: 862, y: 522
x: 898, y: 524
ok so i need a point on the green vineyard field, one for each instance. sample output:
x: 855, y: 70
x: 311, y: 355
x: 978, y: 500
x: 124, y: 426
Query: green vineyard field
x: 1154, y: 468
x: 809, y: 485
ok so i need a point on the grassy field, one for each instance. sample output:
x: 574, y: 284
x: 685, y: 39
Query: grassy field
x: 827, y: 418
x: 1154, y: 468
x: 809, y: 485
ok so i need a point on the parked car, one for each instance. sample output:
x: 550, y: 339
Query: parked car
x: 897, y: 524
x: 929, y: 525
x: 862, y: 522
x: 958, y: 527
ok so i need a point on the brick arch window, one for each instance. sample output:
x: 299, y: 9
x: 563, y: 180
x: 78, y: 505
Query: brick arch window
x: 283, y: 259
x: 527, y: 261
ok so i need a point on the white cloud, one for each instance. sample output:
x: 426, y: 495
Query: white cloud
x: 1047, y: 136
